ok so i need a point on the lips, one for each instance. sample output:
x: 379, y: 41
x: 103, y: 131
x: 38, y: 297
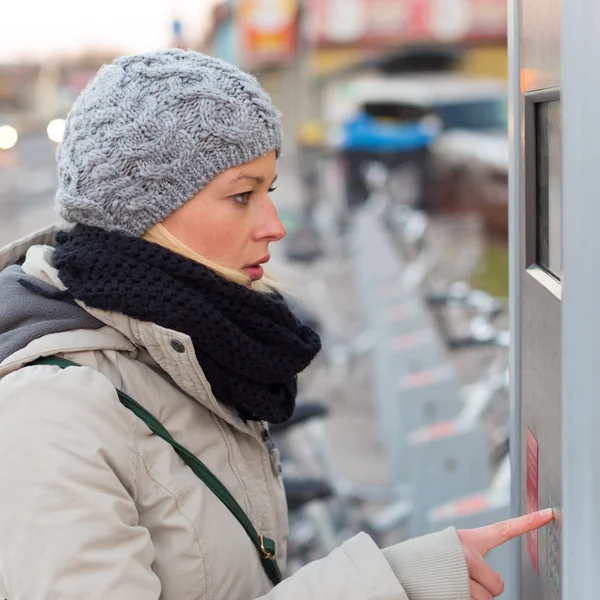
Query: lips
x: 255, y: 271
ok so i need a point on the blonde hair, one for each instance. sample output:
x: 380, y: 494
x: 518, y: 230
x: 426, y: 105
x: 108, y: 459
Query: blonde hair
x: 159, y: 234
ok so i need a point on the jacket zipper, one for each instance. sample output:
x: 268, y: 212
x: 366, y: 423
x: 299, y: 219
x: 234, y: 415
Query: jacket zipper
x: 271, y: 448
x: 278, y: 514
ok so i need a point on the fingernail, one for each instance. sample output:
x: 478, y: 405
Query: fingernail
x: 547, y: 512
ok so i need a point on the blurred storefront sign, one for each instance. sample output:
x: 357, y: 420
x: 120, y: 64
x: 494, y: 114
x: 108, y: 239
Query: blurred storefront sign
x: 268, y: 31
x: 383, y: 22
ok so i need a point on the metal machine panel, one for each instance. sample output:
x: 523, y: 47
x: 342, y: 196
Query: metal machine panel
x: 539, y: 288
x: 540, y: 44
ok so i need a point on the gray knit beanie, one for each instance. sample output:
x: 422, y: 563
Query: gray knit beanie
x: 151, y: 130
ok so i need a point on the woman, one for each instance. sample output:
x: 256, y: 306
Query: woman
x: 158, y: 296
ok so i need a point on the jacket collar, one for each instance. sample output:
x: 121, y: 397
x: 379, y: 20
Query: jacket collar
x: 171, y: 350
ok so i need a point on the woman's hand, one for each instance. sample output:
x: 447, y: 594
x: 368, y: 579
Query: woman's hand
x: 485, y: 582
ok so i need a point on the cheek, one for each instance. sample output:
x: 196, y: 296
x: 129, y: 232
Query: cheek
x: 218, y: 234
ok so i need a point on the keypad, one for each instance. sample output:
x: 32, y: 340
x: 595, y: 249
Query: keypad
x: 553, y: 546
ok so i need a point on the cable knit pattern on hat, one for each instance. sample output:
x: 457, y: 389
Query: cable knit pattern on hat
x: 151, y: 130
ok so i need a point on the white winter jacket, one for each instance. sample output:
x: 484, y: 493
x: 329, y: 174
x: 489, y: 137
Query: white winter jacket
x: 93, y: 505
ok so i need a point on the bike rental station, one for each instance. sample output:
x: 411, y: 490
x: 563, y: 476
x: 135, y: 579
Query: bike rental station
x: 518, y: 433
x: 440, y: 458
x: 554, y: 131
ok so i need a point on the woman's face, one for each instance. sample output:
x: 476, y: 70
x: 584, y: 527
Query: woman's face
x: 232, y: 220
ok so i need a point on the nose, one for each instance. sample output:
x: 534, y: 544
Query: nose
x: 271, y: 228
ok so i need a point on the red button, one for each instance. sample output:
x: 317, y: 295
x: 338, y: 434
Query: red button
x: 532, y: 494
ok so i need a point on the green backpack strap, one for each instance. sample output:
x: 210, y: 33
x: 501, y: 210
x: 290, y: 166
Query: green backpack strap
x: 264, y: 545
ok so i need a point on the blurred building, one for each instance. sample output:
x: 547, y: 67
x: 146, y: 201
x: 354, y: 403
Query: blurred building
x: 294, y: 46
x: 17, y: 84
x: 223, y: 39
x: 343, y: 30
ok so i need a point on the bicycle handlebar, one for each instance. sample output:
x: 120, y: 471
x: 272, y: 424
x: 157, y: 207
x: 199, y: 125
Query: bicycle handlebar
x: 482, y: 302
x: 471, y: 341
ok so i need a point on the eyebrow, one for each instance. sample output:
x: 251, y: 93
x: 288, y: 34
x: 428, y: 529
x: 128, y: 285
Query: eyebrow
x: 256, y: 178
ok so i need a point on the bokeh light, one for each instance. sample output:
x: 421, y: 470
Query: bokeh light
x: 8, y: 137
x: 56, y: 130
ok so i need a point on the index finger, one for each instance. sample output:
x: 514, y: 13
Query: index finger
x: 492, y: 536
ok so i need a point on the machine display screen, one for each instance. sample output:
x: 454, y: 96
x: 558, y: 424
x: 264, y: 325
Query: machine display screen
x: 549, y: 200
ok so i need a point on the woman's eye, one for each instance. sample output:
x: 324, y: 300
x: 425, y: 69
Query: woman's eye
x: 242, y: 198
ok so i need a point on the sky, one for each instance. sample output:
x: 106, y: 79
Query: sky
x: 33, y: 29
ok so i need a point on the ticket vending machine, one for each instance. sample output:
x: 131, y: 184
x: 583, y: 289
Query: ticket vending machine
x: 540, y: 286
x: 554, y: 48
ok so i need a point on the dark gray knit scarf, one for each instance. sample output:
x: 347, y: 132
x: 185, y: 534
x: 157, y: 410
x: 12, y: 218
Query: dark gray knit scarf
x: 250, y: 345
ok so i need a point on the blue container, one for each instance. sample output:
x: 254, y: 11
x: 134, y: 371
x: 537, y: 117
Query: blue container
x: 365, y: 132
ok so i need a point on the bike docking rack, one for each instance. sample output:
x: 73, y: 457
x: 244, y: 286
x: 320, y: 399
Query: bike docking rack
x: 449, y: 459
x: 414, y: 384
x: 477, y: 509
x: 431, y: 426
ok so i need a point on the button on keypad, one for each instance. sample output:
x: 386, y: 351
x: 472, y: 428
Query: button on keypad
x: 553, y: 545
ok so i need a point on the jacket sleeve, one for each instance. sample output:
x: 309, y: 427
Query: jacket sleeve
x: 431, y: 567
x: 68, y: 522
x: 357, y: 570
